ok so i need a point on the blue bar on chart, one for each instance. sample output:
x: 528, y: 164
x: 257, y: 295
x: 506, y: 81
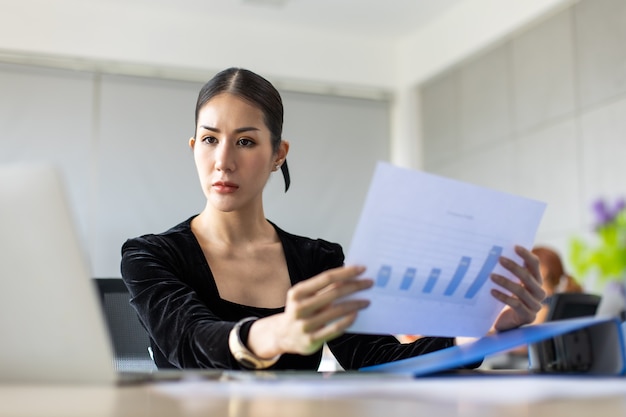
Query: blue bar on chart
x: 460, y: 272
x: 432, y: 280
x: 483, y: 275
x: 384, y: 274
x: 407, y: 280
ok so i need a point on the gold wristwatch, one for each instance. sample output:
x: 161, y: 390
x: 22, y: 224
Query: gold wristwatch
x: 242, y: 354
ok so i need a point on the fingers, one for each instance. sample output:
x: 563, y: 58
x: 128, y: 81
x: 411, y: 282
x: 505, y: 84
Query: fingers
x: 528, y: 273
x: 531, y: 262
x: 328, y: 296
x: 314, y: 311
x: 521, y: 295
x: 526, y: 295
x: 335, y: 328
x: 522, y: 313
x: 310, y: 296
x: 328, y: 316
x: 311, y: 286
x: 527, y: 290
x: 333, y: 323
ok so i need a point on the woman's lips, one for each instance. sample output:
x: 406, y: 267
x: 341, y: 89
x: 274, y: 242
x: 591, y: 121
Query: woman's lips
x: 225, y: 187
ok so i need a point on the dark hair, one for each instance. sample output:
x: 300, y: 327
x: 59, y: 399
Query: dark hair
x: 251, y: 87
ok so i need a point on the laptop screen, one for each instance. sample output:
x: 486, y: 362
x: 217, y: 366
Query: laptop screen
x: 51, y: 323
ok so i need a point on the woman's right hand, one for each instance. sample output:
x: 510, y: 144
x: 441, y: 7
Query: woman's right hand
x: 313, y: 314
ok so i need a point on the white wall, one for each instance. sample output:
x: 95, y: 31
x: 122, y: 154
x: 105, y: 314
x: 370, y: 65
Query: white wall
x: 187, y: 46
x: 161, y: 38
x: 540, y: 114
x: 464, y: 30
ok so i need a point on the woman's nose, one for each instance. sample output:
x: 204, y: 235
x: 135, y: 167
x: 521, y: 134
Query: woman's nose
x: 224, y: 157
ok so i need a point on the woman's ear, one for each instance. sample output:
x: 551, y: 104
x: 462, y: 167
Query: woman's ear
x: 192, y: 142
x: 283, y: 150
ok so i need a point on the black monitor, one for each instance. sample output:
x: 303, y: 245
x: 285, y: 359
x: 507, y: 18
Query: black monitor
x: 572, y: 305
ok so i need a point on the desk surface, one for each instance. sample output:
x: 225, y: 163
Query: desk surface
x: 447, y: 396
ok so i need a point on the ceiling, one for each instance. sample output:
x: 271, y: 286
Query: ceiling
x: 375, y: 18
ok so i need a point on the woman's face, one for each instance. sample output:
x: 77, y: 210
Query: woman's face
x: 233, y: 153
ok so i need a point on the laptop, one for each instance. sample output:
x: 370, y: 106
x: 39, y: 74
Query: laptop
x: 52, y: 325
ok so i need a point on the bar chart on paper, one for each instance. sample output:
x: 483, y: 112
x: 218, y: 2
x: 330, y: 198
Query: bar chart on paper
x: 410, y: 267
x: 430, y: 245
x: 452, y: 291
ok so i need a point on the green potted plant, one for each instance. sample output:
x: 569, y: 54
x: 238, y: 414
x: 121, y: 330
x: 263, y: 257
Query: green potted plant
x: 605, y: 257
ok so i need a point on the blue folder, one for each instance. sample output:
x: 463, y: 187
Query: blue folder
x: 608, y: 339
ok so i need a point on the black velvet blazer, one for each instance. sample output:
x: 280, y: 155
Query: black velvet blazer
x: 175, y: 295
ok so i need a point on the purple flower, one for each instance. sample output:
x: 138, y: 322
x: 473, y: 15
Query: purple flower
x: 619, y: 206
x: 603, y: 216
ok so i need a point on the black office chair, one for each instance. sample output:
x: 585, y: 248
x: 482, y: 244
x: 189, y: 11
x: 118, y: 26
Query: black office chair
x: 560, y: 306
x: 569, y: 305
x: 573, y: 351
x: 130, y: 339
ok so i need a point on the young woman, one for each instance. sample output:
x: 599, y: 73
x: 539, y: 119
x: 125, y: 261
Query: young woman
x: 229, y: 289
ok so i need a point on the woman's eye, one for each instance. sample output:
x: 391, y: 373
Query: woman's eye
x: 209, y: 139
x: 245, y: 142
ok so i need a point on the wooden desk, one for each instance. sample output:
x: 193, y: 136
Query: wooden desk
x: 242, y: 399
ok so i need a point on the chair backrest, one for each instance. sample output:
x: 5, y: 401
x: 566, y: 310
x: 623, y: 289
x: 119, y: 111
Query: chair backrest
x: 130, y: 339
x: 569, y: 305
x: 571, y: 352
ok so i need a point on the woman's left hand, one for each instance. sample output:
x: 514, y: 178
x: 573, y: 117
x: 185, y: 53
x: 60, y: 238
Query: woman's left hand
x: 524, y: 300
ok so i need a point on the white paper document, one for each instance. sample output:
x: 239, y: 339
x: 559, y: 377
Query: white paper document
x: 430, y: 244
